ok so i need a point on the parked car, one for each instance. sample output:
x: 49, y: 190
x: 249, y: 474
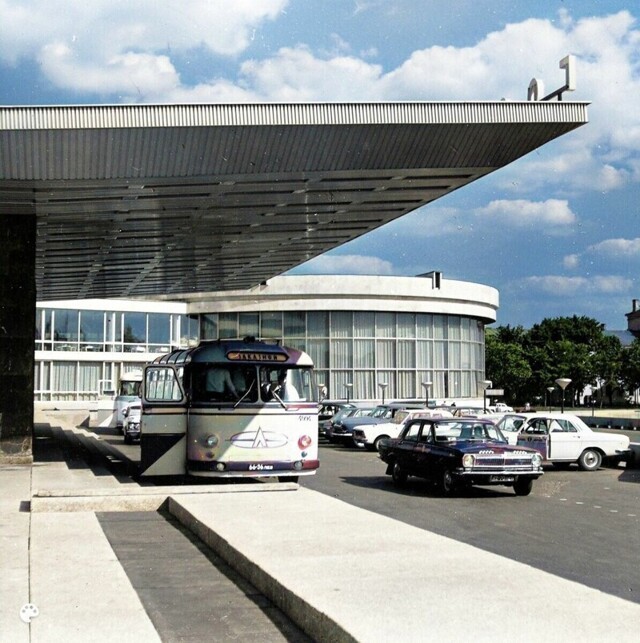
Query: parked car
x: 459, y: 453
x: 369, y: 436
x: 353, y: 409
x: 563, y: 438
x: 131, y: 422
x: 342, y: 430
x: 327, y: 410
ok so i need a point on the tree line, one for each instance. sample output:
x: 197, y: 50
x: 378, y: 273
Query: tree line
x: 525, y: 363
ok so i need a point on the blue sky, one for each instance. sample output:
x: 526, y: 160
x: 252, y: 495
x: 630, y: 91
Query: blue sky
x: 557, y: 232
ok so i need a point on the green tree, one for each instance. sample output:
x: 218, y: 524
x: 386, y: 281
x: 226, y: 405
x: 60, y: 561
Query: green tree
x: 506, y: 363
x: 607, y: 362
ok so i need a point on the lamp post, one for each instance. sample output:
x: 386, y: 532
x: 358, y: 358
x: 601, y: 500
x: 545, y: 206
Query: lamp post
x: 426, y: 386
x: 484, y: 385
x: 563, y: 382
x: 348, y: 386
x: 550, y: 389
x: 383, y: 386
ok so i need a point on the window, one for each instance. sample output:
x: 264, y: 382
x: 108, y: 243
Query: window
x: 271, y: 325
x: 227, y: 325
x: 294, y: 324
x: 135, y: 330
x: 249, y: 324
x: 65, y: 329
x: 210, y: 326
x: 412, y: 432
x: 162, y: 385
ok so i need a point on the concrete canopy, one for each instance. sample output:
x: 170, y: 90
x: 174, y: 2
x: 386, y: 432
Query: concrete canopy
x: 148, y: 200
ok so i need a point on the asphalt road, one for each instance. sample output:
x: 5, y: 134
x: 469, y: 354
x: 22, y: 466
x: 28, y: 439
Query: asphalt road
x: 583, y: 526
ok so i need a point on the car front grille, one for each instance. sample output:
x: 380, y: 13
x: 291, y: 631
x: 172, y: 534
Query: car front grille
x: 511, y: 461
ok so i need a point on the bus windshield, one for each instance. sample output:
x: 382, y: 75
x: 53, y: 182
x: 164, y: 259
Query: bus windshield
x: 250, y: 384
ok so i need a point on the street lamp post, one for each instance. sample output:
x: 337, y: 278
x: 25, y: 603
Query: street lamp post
x: 550, y: 389
x: 426, y: 386
x: 383, y: 386
x: 563, y: 382
x: 484, y: 385
x: 348, y: 386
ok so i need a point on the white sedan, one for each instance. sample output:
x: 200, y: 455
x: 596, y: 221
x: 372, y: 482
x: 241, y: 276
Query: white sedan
x: 369, y: 435
x: 563, y: 438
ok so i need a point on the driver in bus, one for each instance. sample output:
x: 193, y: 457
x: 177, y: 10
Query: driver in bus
x: 219, y: 381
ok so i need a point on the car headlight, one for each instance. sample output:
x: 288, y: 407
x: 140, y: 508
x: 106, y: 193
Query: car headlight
x: 536, y: 460
x: 468, y: 460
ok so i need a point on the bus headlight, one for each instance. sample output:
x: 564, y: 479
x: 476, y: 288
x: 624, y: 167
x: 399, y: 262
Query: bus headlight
x: 468, y: 460
x: 297, y: 465
x: 220, y: 466
x: 212, y: 441
x: 304, y: 442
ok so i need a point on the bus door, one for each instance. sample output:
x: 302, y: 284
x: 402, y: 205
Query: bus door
x: 163, y: 437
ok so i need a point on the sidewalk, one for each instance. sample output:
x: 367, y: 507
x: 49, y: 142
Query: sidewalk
x: 340, y: 572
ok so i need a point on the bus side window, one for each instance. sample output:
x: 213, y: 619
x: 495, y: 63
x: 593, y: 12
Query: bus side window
x: 161, y: 385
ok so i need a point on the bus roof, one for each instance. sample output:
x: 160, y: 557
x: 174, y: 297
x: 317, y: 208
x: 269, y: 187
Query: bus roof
x: 238, y: 351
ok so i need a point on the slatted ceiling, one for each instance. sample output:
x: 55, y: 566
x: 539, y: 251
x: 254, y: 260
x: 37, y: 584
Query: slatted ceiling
x: 171, y: 200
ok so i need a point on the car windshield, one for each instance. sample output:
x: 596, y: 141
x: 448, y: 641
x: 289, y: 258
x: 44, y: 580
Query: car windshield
x: 381, y: 412
x: 469, y: 431
x: 511, y: 423
x: 345, y: 412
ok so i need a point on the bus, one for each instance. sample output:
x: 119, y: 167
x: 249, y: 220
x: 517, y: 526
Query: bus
x: 230, y: 408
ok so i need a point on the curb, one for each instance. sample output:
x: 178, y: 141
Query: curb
x: 315, y: 623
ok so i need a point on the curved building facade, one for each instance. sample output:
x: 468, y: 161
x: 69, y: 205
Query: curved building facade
x: 361, y: 332
x: 366, y: 332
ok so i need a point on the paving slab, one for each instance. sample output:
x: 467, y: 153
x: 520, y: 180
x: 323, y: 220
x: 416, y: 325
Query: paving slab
x: 79, y: 586
x: 346, y: 574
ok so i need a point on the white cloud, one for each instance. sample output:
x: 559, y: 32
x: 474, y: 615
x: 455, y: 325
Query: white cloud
x: 522, y: 213
x: 561, y: 286
x: 100, y: 38
x: 132, y: 73
x: 571, y: 261
x: 617, y: 247
x: 346, y: 265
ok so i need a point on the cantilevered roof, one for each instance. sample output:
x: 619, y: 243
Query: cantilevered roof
x: 146, y: 200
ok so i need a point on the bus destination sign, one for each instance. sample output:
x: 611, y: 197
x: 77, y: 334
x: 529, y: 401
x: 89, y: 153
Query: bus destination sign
x: 255, y: 356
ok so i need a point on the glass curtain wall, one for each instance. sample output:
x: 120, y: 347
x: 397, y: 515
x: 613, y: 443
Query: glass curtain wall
x: 355, y: 351
x: 100, y: 331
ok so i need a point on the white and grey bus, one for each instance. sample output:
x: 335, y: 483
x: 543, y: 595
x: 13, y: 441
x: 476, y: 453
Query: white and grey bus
x: 230, y: 408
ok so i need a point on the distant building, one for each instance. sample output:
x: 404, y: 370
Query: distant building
x: 633, y: 318
x: 361, y: 331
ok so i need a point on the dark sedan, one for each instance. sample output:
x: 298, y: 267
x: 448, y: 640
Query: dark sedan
x: 459, y: 453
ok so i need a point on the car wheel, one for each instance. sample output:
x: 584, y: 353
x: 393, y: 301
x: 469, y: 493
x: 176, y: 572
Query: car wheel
x: 376, y: 442
x: 523, y: 486
x: 398, y: 474
x: 590, y: 460
x: 447, y: 483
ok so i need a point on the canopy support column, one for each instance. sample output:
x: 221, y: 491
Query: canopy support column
x: 17, y: 327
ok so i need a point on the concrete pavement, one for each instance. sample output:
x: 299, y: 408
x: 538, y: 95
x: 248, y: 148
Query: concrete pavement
x: 340, y: 572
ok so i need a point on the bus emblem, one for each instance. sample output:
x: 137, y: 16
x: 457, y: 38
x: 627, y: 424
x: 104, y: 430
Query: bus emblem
x: 258, y: 439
